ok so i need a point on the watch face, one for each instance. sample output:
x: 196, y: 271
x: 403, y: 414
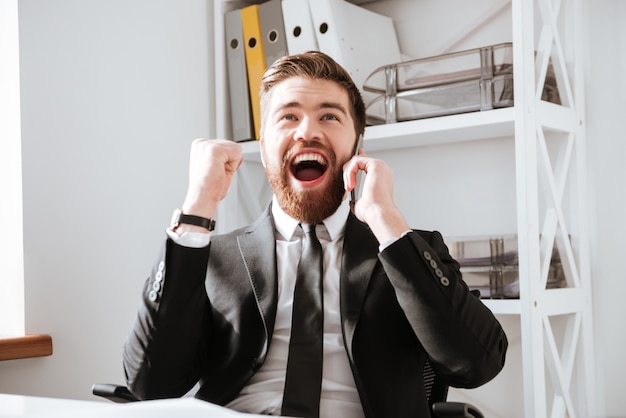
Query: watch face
x: 175, y: 218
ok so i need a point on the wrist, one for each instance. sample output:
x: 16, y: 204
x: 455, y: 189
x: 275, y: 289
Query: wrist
x: 387, y: 224
x: 199, y: 204
x: 186, y: 222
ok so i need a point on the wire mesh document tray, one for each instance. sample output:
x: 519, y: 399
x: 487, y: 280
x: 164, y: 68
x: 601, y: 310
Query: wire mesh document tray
x: 491, y: 265
x: 459, y: 82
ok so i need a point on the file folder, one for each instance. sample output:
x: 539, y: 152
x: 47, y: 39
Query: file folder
x: 358, y: 39
x: 273, y: 31
x: 299, y: 29
x: 240, y: 111
x: 255, y: 59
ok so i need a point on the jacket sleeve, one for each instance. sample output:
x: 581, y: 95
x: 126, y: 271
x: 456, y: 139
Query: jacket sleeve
x: 163, y: 350
x: 462, y: 337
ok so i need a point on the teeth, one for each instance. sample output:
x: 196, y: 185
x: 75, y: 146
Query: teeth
x: 309, y: 157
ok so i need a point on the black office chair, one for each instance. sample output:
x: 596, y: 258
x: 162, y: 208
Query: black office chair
x: 436, y: 393
x: 113, y: 392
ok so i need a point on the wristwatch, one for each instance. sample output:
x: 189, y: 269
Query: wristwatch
x: 178, y: 217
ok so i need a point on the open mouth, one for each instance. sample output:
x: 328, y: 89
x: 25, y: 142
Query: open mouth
x: 308, y: 166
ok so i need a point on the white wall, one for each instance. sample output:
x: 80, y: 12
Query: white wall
x: 112, y: 94
x: 606, y: 90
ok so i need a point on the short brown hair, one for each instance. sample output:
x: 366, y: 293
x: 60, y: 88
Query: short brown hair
x: 317, y: 66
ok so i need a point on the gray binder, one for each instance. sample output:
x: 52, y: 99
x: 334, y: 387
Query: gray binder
x: 273, y: 30
x: 240, y: 112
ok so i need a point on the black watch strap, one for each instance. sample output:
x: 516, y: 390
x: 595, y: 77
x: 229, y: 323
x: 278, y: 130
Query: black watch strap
x: 180, y: 218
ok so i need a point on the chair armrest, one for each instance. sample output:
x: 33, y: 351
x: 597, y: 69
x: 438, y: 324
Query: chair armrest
x: 115, y: 393
x: 455, y: 410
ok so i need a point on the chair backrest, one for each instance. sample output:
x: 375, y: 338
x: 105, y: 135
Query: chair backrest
x: 436, y: 390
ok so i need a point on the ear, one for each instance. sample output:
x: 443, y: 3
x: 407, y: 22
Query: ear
x: 262, y: 150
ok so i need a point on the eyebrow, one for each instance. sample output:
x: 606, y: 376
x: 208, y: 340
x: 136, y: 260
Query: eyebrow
x: 323, y: 105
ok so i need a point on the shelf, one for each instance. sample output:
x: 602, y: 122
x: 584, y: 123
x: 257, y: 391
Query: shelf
x: 503, y: 306
x: 251, y: 151
x: 474, y: 126
x: 441, y: 130
x: 555, y: 302
x: 432, y: 131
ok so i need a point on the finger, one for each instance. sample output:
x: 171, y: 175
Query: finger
x: 351, y: 169
x: 233, y: 164
x: 347, y: 184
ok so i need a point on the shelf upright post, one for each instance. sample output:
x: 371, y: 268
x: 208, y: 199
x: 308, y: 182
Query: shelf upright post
x: 527, y: 209
x: 534, y: 166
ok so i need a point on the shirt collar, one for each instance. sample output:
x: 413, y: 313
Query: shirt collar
x: 286, y: 225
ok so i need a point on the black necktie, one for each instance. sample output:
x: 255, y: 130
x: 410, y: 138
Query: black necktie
x: 303, y: 382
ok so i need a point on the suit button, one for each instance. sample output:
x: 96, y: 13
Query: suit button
x: 433, y: 264
x: 438, y: 272
x: 427, y: 256
x: 156, y: 286
x: 153, y: 296
x: 161, y: 265
x: 444, y: 281
x: 159, y: 276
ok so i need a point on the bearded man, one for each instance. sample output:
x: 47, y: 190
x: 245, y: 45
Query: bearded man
x: 220, y: 309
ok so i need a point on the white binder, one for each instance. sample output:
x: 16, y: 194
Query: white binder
x: 358, y: 39
x: 240, y: 110
x: 299, y: 28
x: 272, y: 30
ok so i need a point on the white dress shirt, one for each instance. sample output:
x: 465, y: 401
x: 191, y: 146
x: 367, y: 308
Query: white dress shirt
x: 264, y: 392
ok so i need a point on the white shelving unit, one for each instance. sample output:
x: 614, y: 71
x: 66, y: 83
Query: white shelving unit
x: 549, y: 141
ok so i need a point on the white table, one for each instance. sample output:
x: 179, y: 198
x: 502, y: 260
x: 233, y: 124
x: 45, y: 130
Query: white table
x: 27, y: 406
x: 37, y: 407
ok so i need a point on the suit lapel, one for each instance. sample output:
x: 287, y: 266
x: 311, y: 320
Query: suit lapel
x: 360, y: 256
x: 257, y: 248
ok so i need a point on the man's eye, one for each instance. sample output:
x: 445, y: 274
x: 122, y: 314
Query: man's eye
x: 330, y: 116
x: 288, y: 116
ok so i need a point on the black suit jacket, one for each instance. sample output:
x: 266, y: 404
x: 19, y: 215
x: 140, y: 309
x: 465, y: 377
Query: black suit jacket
x: 208, y: 315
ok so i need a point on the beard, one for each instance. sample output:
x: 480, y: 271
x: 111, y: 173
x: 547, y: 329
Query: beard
x: 307, y: 206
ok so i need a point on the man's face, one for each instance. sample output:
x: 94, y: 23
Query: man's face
x: 308, y: 135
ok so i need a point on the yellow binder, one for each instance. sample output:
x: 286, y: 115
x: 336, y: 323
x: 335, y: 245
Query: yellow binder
x: 255, y: 59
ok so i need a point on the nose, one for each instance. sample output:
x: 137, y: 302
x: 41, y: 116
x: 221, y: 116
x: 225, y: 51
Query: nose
x: 308, y: 130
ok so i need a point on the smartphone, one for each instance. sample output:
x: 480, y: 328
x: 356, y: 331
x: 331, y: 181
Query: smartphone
x: 355, y: 192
